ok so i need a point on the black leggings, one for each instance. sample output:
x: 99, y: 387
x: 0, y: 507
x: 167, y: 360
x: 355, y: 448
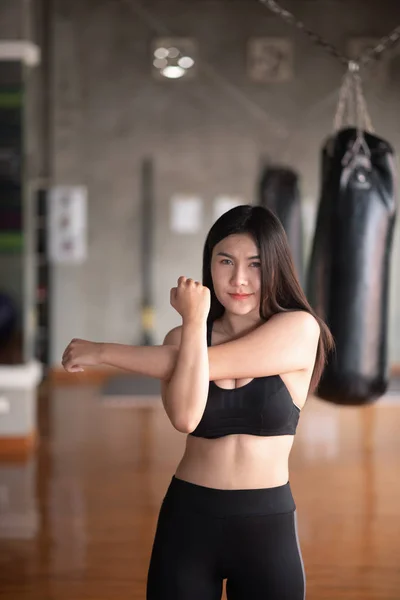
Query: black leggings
x: 205, y: 535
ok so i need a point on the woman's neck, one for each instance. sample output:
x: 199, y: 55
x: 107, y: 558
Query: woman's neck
x: 233, y: 325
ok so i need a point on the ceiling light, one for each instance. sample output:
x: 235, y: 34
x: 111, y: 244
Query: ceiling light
x: 173, y: 72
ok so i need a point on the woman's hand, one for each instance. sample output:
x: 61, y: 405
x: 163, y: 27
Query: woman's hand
x: 191, y: 300
x: 81, y: 353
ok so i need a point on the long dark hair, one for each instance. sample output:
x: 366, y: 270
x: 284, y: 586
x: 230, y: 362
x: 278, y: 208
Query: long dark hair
x: 280, y: 288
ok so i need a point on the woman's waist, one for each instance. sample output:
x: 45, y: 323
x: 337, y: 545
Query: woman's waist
x: 240, y: 448
x: 236, y: 463
x: 188, y: 496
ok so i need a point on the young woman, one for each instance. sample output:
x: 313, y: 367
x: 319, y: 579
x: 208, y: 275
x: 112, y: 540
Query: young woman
x: 235, y: 377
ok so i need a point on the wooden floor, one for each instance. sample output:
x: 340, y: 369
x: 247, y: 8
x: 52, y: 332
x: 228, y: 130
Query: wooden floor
x: 77, y: 521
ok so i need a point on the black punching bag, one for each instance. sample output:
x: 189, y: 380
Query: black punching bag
x: 348, y: 277
x: 279, y: 192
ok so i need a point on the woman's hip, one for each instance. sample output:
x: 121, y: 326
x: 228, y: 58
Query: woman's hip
x: 222, y: 503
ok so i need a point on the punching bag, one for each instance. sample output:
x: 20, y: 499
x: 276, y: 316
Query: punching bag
x: 279, y: 191
x: 348, y: 277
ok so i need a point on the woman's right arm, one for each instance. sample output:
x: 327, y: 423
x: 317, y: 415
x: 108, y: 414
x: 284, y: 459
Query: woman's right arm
x: 184, y: 368
x: 184, y: 394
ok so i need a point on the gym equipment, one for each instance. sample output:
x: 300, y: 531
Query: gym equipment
x: 348, y: 278
x: 279, y: 191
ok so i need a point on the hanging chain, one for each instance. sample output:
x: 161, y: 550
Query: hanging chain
x: 361, y: 106
x: 351, y: 102
x: 361, y: 117
x: 317, y: 39
x: 343, y: 104
x: 352, y: 105
x: 384, y: 44
x: 370, y: 54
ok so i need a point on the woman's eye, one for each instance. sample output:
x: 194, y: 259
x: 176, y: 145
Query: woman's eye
x: 225, y: 261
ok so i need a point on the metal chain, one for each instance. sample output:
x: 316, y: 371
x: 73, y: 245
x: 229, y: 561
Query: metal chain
x: 370, y: 54
x: 384, y: 44
x: 351, y: 98
x: 352, y: 108
x: 317, y: 39
x: 352, y: 103
x: 361, y: 106
x: 343, y: 104
x: 360, y: 143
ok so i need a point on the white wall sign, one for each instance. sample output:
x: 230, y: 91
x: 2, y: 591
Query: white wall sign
x: 68, y: 224
x: 270, y: 59
x: 224, y: 203
x: 186, y: 214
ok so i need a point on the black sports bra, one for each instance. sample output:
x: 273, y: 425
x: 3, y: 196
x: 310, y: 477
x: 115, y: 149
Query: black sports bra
x: 261, y: 407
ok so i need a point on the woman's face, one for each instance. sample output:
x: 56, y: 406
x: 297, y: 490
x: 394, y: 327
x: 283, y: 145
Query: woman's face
x: 236, y: 269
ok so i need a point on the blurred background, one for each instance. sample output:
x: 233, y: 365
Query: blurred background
x: 126, y: 129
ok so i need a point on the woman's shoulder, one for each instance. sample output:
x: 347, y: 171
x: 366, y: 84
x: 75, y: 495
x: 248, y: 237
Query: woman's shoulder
x: 297, y: 317
x: 173, y: 337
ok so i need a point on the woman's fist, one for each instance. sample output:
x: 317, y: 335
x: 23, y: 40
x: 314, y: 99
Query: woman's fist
x: 191, y: 299
x: 81, y: 353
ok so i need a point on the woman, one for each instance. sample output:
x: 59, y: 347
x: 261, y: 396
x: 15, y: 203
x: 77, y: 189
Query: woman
x: 235, y: 377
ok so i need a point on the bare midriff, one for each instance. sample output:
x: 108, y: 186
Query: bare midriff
x: 237, y: 461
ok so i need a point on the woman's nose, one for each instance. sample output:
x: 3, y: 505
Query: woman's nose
x: 239, y: 277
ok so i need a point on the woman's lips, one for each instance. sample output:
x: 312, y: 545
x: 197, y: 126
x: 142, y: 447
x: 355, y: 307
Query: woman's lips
x: 240, y: 296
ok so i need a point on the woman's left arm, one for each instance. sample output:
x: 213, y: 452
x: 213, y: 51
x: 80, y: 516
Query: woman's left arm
x: 286, y: 342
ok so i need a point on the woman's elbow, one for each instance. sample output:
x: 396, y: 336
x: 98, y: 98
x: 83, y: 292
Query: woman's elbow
x: 182, y: 428
x: 184, y: 425
x: 178, y: 421
x: 184, y: 421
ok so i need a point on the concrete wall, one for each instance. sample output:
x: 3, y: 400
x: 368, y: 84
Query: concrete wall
x: 206, y: 136
x: 12, y: 24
